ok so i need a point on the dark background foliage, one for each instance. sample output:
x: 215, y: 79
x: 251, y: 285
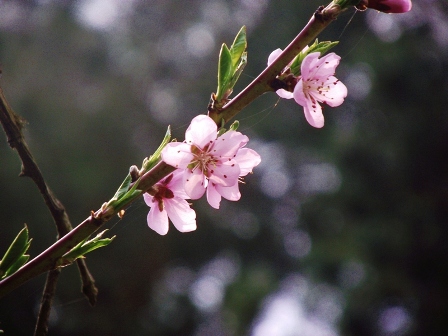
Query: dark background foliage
x: 340, y: 231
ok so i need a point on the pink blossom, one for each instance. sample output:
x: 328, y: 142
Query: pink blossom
x: 387, y: 6
x: 318, y: 85
x: 169, y: 200
x: 247, y: 159
x: 210, y: 161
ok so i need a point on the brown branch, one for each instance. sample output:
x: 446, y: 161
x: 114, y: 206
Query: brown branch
x: 46, y: 302
x: 13, y: 125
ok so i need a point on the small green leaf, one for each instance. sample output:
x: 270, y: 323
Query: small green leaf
x: 19, y: 263
x: 238, y: 47
x: 225, y: 72
x: 238, y: 71
x: 150, y: 162
x: 15, y: 251
x: 123, y: 189
x: 234, y: 125
x: 324, y: 47
x: 133, y: 192
x: 83, y: 248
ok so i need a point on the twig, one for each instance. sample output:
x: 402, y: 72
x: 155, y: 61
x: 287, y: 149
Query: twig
x: 47, y: 300
x: 13, y: 124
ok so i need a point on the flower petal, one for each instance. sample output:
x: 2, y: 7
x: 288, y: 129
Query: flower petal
x: 231, y: 193
x: 213, y: 196
x: 325, y: 66
x: 247, y: 159
x: 225, y: 174
x: 282, y: 93
x: 148, y: 199
x: 176, y: 184
x: 336, y: 94
x: 307, y: 68
x: 299, y: 95
x: 391, y: 6
x: 194, y: 183
x: 177, y: 154
x: 274, y: 55
x: 228, y: 144
x: 202, y: 130
x: 313, y: 114
x: 180, y: 213
x: 158, y: 220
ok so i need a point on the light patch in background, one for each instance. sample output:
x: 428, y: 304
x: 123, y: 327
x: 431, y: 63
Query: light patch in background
x: 163, y: 103
x: 208, y: 290
x: 101, y: 14
x: 273, y: 154
x: 297, y: 243
x: 385, y: 26
x: 358, y: 81
x: 200, y: 40
x: 249, y: 11
x: 284, y: 313
x: 178, y: 279
x: 10, y: 14
x: 275, y: 178
x: 394, y: 321
x: 215, y: 13
x: 319, y: 178
x: 325, y: 302
x: 275, y: 183
x: 207, y: 293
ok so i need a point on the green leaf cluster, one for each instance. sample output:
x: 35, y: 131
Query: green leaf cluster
x: 15, y: 256
x: 84, y: 247
x: 230, y: 66
x: 321, y: 47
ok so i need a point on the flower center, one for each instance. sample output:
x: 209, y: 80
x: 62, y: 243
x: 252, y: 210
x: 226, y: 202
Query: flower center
x: 316, y: 86
x: 203, y: 159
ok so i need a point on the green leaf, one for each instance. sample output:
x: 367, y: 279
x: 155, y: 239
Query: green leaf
x: 120, y: 203
x: 150, y: 162
x: 234, y: 125
x: 239, y: 70
x: 323, y: 47
x: 80, y: 250
x: 123, y: 189
x: 15, y: 251
x: 225, y: 72
x: 238, y: 47
x: 19, y: 263
x: 231, y: 63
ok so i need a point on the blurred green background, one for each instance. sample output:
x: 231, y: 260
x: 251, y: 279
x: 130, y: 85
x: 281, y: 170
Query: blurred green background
x: 340, y: 231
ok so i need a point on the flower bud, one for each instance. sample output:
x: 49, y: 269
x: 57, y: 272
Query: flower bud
x: 386, y: 6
